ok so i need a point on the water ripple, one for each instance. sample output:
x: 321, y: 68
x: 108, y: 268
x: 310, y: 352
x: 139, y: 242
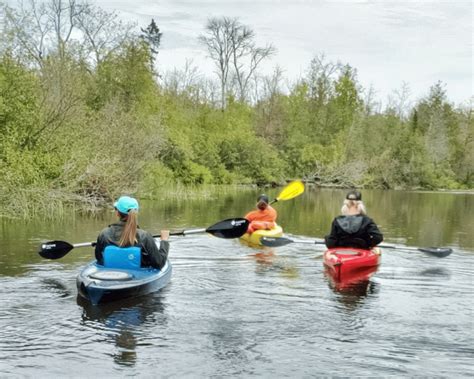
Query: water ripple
x: 232, y: 310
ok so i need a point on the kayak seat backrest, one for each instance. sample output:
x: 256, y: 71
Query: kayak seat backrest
x: 122, y: 257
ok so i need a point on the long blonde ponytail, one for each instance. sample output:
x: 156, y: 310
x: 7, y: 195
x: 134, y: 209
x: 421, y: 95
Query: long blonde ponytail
x: 129, y: 234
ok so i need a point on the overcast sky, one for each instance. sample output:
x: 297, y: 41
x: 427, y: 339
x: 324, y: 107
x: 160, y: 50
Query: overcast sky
x: 388, y: 42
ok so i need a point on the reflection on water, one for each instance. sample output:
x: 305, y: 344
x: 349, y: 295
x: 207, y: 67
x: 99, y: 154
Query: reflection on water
x: 121, y: 321
x: 228, y: 344
x: 417, y: 219
x: 232, y: 310
x: 353, y: 287
x: 56, y: 286
x: 267, y: 260
x: 436, y: 272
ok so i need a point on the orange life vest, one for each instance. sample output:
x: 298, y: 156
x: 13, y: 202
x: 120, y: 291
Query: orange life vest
x: 261, y: 219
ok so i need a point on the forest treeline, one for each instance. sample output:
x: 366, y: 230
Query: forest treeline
x: 86, y: 114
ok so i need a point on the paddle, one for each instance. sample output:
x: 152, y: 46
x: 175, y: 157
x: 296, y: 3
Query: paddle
x: 290, y: 191
x: 230, y: 228
x: 281, y: 241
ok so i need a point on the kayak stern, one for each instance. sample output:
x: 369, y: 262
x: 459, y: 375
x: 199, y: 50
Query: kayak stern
x: 99, y: 285
x: 342, y: 262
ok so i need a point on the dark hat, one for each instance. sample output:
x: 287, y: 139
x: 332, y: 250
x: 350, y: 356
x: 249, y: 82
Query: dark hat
x: 263, y: 198
x: 354, y: 195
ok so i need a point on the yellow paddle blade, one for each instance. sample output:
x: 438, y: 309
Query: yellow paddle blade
x: 292, y: 190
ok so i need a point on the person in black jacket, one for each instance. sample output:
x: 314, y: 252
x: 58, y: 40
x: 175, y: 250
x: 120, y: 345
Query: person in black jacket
x: 353, y: 228
x: 126, y: 232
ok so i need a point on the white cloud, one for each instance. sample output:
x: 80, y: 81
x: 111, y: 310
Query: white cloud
x: 388, y: 42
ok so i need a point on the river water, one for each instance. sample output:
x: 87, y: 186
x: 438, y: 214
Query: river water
x: 234, y: 310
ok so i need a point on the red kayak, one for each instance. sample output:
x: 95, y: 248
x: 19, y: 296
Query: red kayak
x: 343, y: 262
x: 356, y: 283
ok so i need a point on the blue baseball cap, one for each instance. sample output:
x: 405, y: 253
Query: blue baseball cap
x: 125, y: 204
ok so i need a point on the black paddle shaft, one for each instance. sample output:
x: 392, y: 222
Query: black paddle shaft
x: 229, y: 228
x: 439, y: 252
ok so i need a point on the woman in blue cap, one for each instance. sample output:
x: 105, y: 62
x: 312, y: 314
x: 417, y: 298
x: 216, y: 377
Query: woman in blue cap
x: 353, y: 228
x: 126, y: 233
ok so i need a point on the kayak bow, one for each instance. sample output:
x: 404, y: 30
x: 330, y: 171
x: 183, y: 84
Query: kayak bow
x: 255, y: 237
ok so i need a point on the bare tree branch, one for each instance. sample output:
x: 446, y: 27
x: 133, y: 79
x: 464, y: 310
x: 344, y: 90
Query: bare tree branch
x: 103, y: 32
x: 232, y: 47
x: 36, y: 29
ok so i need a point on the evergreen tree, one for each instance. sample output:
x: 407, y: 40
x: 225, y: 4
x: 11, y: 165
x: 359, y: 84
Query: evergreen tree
x: 152, y: 37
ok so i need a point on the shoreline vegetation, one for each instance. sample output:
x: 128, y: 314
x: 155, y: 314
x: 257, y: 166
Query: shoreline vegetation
x: 86, y: 115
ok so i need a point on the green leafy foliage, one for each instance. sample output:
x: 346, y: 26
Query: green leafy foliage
x: 83, y: 132
x: 20, y: 110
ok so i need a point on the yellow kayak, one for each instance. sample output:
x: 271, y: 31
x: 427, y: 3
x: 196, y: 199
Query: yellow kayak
x: 254, y: 238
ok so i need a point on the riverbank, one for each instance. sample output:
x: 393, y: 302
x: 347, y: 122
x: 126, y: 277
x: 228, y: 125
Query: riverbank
x: 53, y: 204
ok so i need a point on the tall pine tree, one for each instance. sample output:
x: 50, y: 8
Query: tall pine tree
x: 152, y: 37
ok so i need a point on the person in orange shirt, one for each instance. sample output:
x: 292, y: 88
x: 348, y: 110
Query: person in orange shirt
x: 262, y: 218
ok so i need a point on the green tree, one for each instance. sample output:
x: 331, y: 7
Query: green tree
x: 151, y: 35
x: 346, y: 102
x: 20, y: 110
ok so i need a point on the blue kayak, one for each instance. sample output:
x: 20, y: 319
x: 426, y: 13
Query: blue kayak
x: 99, y: 284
